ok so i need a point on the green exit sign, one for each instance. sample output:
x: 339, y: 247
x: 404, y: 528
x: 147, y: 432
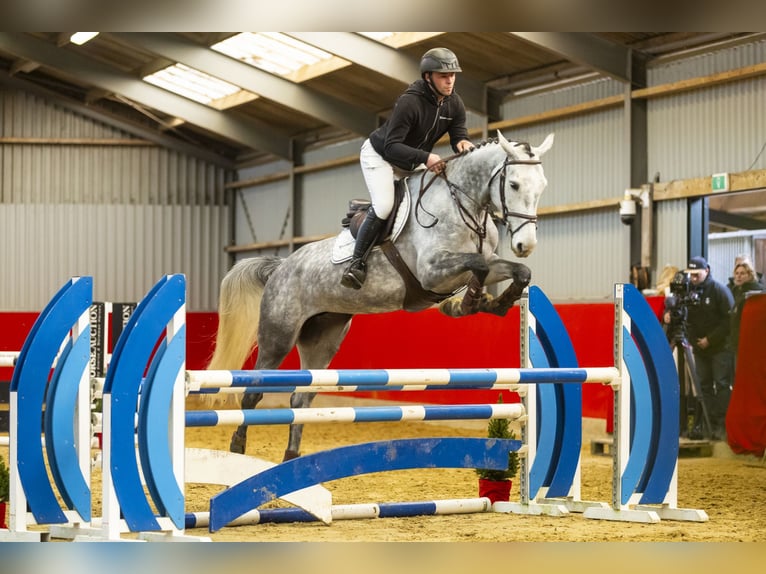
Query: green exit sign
x: 720, y: 182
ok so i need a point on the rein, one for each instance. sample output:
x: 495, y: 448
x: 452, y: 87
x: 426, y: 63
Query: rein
x: 476, y: 226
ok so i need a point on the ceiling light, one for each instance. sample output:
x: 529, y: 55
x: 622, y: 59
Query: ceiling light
x: 80, y: 38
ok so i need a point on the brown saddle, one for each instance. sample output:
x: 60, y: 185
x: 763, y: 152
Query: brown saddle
x: 357, y: 211
x: 416, y: 298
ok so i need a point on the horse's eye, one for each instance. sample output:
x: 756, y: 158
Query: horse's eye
x: 515, y: 185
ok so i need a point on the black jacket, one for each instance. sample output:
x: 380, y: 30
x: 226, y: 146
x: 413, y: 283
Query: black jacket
x: 416, y: 124
x: 710, y: 318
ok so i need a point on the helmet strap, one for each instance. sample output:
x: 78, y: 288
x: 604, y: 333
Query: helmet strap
x: 430, y: 83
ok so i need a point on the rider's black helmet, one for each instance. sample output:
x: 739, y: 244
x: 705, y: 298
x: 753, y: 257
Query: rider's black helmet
x: 439, y: 60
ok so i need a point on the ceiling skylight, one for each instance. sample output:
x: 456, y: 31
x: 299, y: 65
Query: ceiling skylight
x: 377, y: 36
x: 192, y: 84
x: 272, y: 52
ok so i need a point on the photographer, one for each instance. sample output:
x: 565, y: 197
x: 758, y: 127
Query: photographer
x: 708, y: 330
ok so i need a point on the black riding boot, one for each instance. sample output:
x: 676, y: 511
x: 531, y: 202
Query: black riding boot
x: 356, y: 272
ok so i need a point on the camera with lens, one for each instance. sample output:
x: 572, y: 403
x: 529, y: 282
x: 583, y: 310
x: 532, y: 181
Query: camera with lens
x: 682, y: 296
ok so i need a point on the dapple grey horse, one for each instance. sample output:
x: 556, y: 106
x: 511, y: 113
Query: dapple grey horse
x: 445, y: 252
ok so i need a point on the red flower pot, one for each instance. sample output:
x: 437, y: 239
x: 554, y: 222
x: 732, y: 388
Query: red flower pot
x: 495, y: 490
x: 3, y: 507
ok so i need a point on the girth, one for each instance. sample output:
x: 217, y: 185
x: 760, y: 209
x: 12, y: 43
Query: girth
x: 415, y: 297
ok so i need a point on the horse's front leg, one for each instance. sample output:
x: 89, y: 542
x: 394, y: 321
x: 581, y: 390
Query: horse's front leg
x: 297, y: 401
x: 479, y: 302
x: 501, y: 304
x: 444, y: 266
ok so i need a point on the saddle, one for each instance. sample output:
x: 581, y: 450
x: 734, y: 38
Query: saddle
x: 357, y: 211
x: 416, y: 298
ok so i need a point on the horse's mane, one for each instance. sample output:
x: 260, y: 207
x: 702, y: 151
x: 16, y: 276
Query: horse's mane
x: 487, y: 144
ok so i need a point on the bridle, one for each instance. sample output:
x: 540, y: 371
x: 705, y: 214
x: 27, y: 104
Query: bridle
x: 507, y: 213
x: 476, y: 226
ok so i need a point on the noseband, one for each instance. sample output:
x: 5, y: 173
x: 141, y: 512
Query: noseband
x: 507, y: 214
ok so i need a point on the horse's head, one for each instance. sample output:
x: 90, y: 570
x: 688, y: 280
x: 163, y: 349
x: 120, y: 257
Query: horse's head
x: 521, y: 181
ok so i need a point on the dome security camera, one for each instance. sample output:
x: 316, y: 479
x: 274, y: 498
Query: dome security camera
x: 627, y: 211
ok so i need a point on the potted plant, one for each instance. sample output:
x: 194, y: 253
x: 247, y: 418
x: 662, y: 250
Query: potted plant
x: 4, y: 491
x: 496, y: 484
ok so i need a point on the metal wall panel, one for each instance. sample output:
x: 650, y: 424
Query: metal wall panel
x: 125, y: 248
x: 325, y: 198
x: 126, y: 215
x: 671, y: 243
x: 589, y: 157
x: 261, y: 212
x: 94, y: 173
x: 717, y: 129
x: 537, y: 103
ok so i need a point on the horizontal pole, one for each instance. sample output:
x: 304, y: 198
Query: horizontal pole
x: 354, y: 414
x: 443, y: 378
x: 351, y: 388
x: 351, y: 512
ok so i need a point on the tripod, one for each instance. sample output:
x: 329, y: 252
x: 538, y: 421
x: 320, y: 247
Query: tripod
x: 693, y: 411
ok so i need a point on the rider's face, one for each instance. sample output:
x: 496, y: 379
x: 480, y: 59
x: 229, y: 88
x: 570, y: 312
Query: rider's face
x: 443, y: 82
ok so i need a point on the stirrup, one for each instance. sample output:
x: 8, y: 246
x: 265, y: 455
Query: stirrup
x: 355, y: 275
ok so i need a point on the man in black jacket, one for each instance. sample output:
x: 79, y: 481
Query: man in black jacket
x: 708, y: 328
x: 428, y: 109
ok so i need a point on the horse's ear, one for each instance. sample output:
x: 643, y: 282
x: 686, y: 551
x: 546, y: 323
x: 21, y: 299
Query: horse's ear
x: 507, y: 146
x: 544, y: 147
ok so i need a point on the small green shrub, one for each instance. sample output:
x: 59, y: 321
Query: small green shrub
x: 4, y: 481
x: 500, y: 428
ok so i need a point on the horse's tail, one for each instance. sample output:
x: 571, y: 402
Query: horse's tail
x: 239, y: 310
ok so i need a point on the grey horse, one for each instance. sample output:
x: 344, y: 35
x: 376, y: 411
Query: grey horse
x: 445, y: 253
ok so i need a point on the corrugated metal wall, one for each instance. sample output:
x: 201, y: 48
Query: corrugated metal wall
x: 718, y: 129
x: 125, y: 214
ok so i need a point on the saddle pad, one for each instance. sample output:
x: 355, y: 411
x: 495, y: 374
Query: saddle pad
x: 343, y: 248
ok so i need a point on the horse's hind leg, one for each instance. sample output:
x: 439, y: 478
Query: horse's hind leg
x: 239, y: 438
x: 318, y: 342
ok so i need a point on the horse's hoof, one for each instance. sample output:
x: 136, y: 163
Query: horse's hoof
x: 450, y: 307
x: 237, y: 444
x: 290, y: 455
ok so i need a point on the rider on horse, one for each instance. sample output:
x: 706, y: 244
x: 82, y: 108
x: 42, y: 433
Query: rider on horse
x: 427, y: 110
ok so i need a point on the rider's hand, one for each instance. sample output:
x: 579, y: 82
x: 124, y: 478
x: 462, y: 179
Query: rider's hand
x: 464, y: 146
x: 435, y: 163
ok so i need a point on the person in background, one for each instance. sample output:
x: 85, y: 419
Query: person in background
x: 708, y: 330
x: 745, y: 258
x: 744, y: 282
x: 428, y: 109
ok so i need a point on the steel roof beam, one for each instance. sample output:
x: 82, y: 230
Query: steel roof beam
x: 613, y: 60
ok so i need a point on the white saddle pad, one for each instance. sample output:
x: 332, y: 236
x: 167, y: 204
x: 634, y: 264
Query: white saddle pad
x: 343, y: 248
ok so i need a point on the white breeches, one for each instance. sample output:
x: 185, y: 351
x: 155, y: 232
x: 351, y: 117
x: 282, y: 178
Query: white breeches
x: 379, y: 176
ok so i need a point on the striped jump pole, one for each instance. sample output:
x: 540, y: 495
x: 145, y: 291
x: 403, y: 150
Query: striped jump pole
x: 352, y: 512
x: 396, y: 379
x: 8, y: 358
x: 353, y: 414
